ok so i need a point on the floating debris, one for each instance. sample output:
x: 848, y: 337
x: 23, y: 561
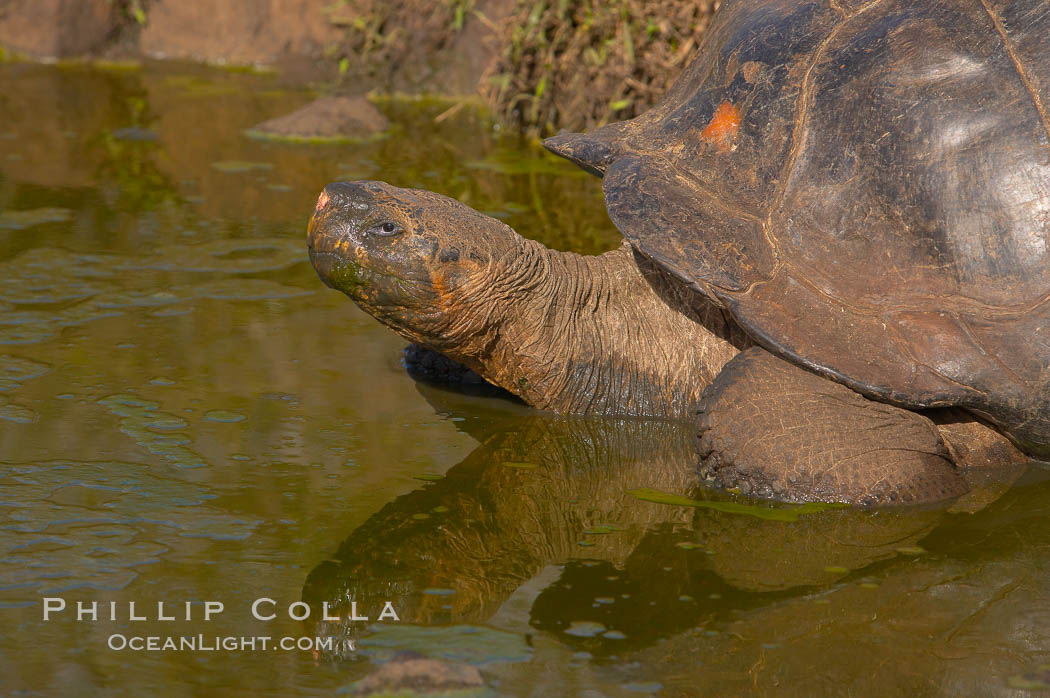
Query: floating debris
x: 166, y: 423
x: 224, y: 416
x: 134, y: 133
x: 439, y: 592
x: 585, y: 628
x: 602, y: 529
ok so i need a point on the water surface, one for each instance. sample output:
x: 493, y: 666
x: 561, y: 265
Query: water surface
x: 187, y: 414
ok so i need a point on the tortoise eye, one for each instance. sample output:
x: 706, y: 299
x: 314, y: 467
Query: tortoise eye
x: 388, y: 228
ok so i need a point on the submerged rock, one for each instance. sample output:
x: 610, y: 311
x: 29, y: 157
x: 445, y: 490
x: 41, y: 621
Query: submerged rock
x: 326, y: 119
x: 419, y: 676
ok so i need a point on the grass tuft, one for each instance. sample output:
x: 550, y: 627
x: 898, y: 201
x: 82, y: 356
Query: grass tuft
x: 578, y: 64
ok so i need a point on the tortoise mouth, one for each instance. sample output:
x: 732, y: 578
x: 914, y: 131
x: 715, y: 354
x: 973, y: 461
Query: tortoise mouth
x: 324, y: 263
x: 371, y: 288
x: 338, y: 271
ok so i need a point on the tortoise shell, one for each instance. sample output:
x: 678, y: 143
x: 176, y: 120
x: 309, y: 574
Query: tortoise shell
x: 865, y: 186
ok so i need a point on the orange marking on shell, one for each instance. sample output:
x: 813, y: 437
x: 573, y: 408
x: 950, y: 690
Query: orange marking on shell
x: 723, y: 127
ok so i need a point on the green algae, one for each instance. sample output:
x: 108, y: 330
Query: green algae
x: 787, y: 513
x: 20, y: 220
x: 193, y: 86
x: 1037, y: 680
x: 241, y: 166
x: 259, y: 135
x: 118, y: 66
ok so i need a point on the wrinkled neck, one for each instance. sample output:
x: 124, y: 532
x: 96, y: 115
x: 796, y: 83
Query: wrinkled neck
x: 605, y: 334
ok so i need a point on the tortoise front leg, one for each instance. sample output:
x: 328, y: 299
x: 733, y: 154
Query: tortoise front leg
x: 775, y: 430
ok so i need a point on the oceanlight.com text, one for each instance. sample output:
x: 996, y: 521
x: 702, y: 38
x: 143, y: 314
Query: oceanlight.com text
x: 215, y: 643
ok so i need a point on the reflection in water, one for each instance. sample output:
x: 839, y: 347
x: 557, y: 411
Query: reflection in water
x: 535, y: 533
x: 544, y: 492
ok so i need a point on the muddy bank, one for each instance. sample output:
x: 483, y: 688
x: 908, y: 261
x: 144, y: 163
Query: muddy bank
x: 540, y: 66
x: 411, y: 45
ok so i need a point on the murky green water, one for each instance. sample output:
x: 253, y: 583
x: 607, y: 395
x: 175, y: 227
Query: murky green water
x: 186, y: 414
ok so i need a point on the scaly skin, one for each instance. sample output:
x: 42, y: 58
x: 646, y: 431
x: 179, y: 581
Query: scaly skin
x: 568, y: 333
x: 613, y: 334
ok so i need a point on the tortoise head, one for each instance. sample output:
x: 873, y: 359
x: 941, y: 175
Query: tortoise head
x: 415, y: 260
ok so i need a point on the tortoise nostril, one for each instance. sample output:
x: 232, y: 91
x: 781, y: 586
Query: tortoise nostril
x: 352, y: 196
